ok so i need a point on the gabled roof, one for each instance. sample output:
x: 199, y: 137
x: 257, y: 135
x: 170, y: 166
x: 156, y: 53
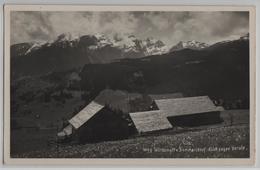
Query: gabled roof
x: 150, y: 121
x: 186, y: 106
x: 85, y: 114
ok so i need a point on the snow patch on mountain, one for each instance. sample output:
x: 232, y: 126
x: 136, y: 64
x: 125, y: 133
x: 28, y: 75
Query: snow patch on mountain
x: 35, y: 46
x: 195, y: 45
x: 102, y: 41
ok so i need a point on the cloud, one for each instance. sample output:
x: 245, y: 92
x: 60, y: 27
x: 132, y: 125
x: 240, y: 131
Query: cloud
x: 170, y: 27
x: 209, y: 27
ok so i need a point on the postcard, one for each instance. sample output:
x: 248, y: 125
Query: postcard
x: 129, y: 85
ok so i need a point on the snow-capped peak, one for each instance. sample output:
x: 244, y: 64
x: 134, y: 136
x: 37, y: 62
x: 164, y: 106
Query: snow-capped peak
x: 61, y: 39
x: 35, y: 46
x: 102, y: 40
x: 127, y: 43
x: 66, y: 37
x: 193, y: 44
x: 155, y: 47
x: 65, y: 40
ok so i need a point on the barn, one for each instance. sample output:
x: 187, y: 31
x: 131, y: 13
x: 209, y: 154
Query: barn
x: 178, y: 112
x: 105, y: 118
x: 96, y: 122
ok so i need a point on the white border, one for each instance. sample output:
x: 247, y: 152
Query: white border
x: 135, y: 161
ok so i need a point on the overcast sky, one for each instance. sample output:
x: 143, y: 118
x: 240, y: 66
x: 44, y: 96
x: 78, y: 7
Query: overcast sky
x: 170, y: 27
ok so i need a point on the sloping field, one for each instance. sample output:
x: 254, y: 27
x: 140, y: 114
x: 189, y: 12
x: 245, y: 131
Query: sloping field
x: 218, y: 142
x: 233, y: 131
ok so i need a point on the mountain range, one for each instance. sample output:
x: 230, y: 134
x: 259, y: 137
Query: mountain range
x: 67, y: 52
x: 130, y: 43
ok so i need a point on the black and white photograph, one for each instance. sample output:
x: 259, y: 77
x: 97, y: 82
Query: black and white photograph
x: 129, y: 83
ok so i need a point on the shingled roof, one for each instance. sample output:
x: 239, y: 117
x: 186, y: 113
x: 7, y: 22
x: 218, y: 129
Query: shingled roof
x: 85, y: 114
x: 158, y: 119
x: 187, y: 106
x: 150, y: 121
